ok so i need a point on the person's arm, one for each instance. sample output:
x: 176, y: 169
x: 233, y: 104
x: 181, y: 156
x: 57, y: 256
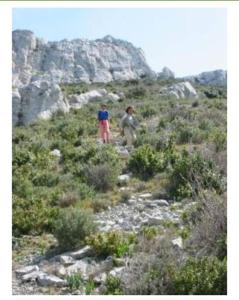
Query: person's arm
x: 98, y: 116
x: 135, y: 123
x: 122, y: 122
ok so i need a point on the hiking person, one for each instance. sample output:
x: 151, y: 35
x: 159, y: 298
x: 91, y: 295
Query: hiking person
x: 103, y: 118
x: 128, y: 126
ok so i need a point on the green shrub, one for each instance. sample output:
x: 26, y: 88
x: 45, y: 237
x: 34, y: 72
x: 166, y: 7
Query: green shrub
x: 136, y: 92
x: 219, y: 139
x: 146, y: 162
x: 192, y: 172
x: 45, y: 179
x: 184, y: 135
x: 32, y: 216
x: 89, y: 287
x: 99, y: 204
x: 68, y: 199
x: 149, y: 232
x: 74, y: 88
x: 111, y: 243
x: 72, y: 227
x: 101, y: 177
x: 195, y: 103
x: 74, y: 281
x: 148, y: 111
x: 188, y: 134
x: 113, y: 286
x: 125, y: 196
x: 22, y: 187
x: 21, y: 156
x: 201, y: 276
x: 106, y: 155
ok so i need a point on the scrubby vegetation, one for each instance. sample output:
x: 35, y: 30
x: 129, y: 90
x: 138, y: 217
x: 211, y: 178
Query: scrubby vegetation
x: 180, y: 155
x: 72, y: 227
x: 111, y: 243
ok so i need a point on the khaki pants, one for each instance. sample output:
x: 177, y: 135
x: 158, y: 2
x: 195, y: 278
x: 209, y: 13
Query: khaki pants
x: 129, y: 135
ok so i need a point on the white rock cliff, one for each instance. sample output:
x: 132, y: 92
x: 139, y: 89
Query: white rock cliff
x: 101, y: 60
x: 39, y: 67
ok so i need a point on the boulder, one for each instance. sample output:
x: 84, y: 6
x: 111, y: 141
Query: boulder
x: 60, y: 271
x: 66, y: 260
x: 101, y: 278
x: 32, y: 276
x: 26, y: 270
x: 56, y: 153
x: 166, y: 74
x: 182, y: 90
x: 155, y: 220
x: 123, y: 152
x: 50, y: 280
x: 112, y: 97
x: 178, y: 242
x: 81, y: 266
x: 116, y: 272
x: 145, y: 196
x: 124, y: 178
x: 161, y: 202
x: 40, y: 99
x: 83, y: 252
x: 77, y: 101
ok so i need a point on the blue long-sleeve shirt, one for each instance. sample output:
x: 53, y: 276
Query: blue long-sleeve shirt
x: 103, y: 115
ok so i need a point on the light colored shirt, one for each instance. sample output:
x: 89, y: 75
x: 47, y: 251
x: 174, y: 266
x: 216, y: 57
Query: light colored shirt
x: 128, y: 121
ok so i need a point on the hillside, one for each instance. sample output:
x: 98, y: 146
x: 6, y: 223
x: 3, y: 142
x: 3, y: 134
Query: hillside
x: 90, y: 218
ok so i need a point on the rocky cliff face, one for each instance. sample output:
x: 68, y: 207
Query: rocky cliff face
x: 216, y: 78
x: 39, y: 67
x: 165, y: 74
x: 100, y: 60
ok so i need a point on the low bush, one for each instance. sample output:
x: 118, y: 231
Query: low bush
x: 45, y: 178
x: 111, y: 243
x: 148, y: 111
x: 72, y: 227
x: 219, y: 138
x: 209, y: 230
x: 74, y: 281
x: 149, y: 232
x: 68, y: 199
x: 136, y: 92
x: 101, y: 177
x: 113, y: 286
x: 99, y: 204
x: 146, y: 162
x: 201, y: 276
x: 125, y: 196
x: 39, y: 218
x: 192, y: 172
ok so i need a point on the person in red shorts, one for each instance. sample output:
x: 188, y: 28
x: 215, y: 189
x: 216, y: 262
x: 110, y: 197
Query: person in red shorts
x: 103, y: 118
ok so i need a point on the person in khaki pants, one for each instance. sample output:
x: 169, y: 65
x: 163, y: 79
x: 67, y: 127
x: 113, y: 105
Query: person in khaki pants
x: 128, y: 126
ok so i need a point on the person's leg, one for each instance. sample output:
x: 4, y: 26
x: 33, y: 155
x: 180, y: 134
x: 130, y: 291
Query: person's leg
x: 102, y: 132
x: 107, y: 132
x: 128, y: 136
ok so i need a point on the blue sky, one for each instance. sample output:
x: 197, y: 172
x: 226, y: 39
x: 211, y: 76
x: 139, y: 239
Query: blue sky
x: 186, y: 40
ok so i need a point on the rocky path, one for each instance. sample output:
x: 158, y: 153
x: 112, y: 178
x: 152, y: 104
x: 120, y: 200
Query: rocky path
x: 40, y: 275
x: 137, y: 211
